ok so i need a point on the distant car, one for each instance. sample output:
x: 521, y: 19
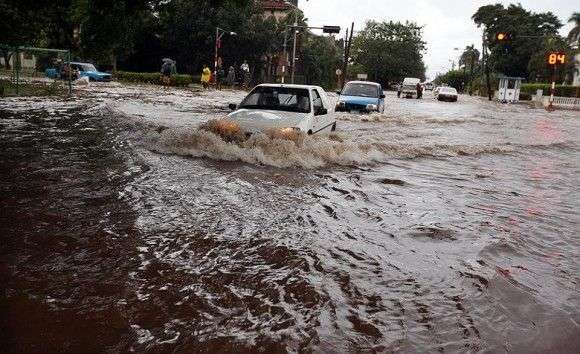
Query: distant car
x: 447, y: 94
x: 409, y: 87
x: 287, y: 108
x: 90, y: 71
x: 428, y: 86
x: 361, y: 96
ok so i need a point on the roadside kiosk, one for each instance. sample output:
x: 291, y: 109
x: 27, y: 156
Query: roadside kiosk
x: 509, y: 89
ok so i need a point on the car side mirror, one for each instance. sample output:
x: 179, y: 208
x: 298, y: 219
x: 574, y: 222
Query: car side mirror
x: 321, y: 111
x: 383, y: 95
x: 233, y: 106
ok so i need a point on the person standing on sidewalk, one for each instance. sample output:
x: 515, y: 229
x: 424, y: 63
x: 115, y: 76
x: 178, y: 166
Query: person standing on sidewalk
x: 419, y: 91
x: 231, y: 77
x: 205, y: 77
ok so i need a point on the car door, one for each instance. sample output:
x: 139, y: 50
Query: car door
x: 319, y: 110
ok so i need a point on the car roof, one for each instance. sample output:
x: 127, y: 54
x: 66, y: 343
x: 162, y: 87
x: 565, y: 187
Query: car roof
x: 364, y: 82
x: 306, y: 87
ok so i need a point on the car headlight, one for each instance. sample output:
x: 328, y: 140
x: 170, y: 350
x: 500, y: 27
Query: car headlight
x: 372, y: 107
x: 341, y: 104
x: 289, y: 130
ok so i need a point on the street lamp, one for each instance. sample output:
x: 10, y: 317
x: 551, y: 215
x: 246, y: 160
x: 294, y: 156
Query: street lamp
x: 219, y: 33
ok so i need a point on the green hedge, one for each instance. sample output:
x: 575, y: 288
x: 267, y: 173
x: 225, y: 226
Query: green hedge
x: 155, y: 78
x: 561, y: 90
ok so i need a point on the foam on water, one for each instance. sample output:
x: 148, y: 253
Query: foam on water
x: 303, y: 151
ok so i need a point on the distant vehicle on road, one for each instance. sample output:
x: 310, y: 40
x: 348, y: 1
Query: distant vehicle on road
x: 83, y: 69
x: 429, y: 86
x: 409, y: 87
x: 286, y: 108
x: 361, y: 96
x: 447, y: 94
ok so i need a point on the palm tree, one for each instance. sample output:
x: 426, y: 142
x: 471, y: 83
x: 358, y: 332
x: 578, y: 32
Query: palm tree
x: 470, y: 59
x: 574, y: 35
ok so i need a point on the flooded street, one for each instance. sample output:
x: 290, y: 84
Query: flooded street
x: 434, y: 227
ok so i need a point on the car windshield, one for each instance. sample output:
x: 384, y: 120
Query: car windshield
x: 448, y: 90
x: 278, y: 99
x: 361, y: 90
x: 88, y: 67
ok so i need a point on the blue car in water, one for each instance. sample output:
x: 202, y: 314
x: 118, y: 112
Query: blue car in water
x: 80, y: 70
x: 89, y: 70
x: 361, y: 96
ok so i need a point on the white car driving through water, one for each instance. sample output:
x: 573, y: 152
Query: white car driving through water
x: 447, y: 94
x: 288, y: 108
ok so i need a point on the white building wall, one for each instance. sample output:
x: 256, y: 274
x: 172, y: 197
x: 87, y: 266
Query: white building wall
x: 27, y: 61
x: 576, y: 81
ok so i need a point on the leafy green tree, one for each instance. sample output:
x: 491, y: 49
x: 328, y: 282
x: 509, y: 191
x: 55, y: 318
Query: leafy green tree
x: 454, y: 78
x: 574, y: 35
x: 390, y: 51
x: 470, y: 61
x: 321, y: 57
x: 540, y: 71
x: 21, y: 24
x: 511, y: 57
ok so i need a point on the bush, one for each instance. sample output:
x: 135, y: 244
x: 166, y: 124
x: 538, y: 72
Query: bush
x: 561, y: 90
x: 524, y: 96
x: 153, y: 78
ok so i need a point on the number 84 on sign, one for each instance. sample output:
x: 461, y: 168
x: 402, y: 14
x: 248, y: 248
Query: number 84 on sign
x: 556, y: 58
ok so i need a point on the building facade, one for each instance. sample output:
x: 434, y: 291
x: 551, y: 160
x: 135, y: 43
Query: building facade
x: 275, y: 62
x: 27, y: 60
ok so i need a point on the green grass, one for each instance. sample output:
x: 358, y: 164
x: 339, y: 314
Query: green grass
x: 7, y: 89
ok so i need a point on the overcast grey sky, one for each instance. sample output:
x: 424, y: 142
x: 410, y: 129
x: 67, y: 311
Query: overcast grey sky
x: 447, y: 23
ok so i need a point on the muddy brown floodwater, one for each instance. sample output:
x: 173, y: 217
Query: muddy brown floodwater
x: 435, y: 227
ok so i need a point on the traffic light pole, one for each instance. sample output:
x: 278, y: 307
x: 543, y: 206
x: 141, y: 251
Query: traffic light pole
x: 553, y: 89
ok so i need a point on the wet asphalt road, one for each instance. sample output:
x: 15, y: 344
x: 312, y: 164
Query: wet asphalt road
x: 435, y: 227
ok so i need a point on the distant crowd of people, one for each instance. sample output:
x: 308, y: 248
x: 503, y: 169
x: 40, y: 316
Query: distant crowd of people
x: 235, y: 76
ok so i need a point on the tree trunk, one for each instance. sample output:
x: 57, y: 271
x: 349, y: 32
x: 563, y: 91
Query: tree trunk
x: 114, y: 62
x: 7, y: 55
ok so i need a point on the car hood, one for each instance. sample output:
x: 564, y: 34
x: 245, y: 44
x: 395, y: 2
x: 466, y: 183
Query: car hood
x: 358, y: 100
x: 96, y: 73
x: 255, y: 119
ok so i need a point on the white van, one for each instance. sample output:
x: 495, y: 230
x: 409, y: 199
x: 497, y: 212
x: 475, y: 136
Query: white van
x: 409, y: 87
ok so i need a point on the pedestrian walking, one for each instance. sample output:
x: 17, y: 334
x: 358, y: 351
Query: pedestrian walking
x: 245, y: 71
x: 166, y: 70
x: 220, y: 77
x: 399, y: 88
x: 205, y: 77
x: 419, y: 91
x: 231, y: 77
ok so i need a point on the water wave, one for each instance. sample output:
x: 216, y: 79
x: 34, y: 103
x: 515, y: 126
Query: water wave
x: 224, y: 142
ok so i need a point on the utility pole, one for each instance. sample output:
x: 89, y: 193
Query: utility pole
x: 295, y: 29
x: 347, y: 54
x: 471, y: 70
x: 486, y: 63
x: 285, y: 55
